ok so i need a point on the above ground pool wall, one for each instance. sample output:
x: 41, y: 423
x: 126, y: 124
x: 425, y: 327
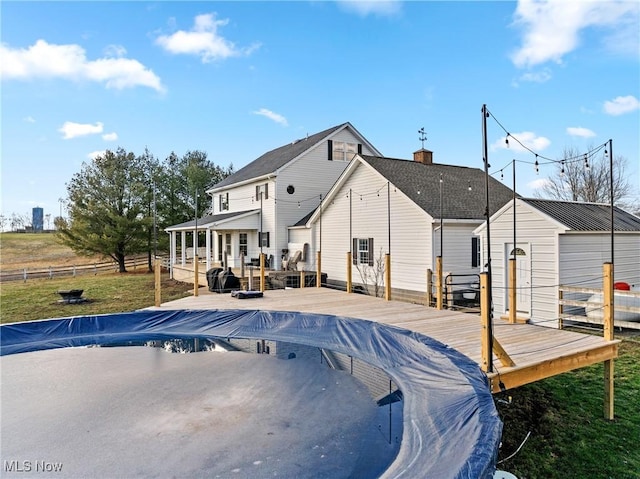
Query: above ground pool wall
x: 451, y: 426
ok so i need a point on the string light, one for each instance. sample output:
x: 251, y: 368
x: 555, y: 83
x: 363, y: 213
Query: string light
x: 586, y: 162
x: 506, y: 140
x: 469, y: 186
x: 536, y: 164
x: 562, y: 170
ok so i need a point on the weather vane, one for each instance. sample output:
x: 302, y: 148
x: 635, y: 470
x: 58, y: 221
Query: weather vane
x: 423, y: 136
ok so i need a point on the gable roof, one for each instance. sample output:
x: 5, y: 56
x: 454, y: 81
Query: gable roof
x: 421, y: 184
x: 586, y: 216
x: 273, y: 160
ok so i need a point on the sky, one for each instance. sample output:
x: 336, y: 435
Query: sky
x: 237, y: 79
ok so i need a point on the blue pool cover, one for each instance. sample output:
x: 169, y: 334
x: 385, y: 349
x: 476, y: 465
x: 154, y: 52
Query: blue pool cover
x: 451, y: 426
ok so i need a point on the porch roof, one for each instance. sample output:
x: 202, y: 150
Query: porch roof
x: 211, y: 221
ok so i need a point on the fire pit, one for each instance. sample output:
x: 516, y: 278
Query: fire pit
x: 71, y: 296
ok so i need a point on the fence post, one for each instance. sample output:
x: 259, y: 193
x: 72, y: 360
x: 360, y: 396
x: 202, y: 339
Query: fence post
x: 24, y: 274
x: 196, y: 283
x: 302, y: 279
x: 486, y: 350
x: 95, y: 269
x: 74, y: 270
x: 157, y: 272
x: 387, y: 277
x: 319, y: 272
x: 512, y: 290
x: 429, y: 287
x: 262, y: 279
x: 560, y: 308
x: 439, y: 282
x: 608, y: 296
x: 50, y: 272
x: 349, y: 282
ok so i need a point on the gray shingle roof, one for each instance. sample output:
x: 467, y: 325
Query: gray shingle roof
x: 209, y: 219
x: 275, y: 159
x: 586, y: 216
x: 421, y: 183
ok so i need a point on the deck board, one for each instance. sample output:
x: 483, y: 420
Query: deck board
x: 537, y: 351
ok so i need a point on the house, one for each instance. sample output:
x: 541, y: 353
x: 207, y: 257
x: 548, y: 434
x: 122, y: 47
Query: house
x: 557, y: 243
x: 412, y: 210
x: 252, y: 208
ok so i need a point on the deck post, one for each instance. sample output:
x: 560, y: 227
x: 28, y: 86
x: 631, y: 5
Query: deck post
x: 608, y: 296
x: 429, y: 287
x: 319, y: 267
x: 262, y: 255
x: 302, y: 279
x: 486, y: 352
x: 439, y: 282
x: 387, y: 277
x: 512, y: 290
x: 196, y: 283
x: 157, y: 271
x: 560, y: 308
x: 349, y: 283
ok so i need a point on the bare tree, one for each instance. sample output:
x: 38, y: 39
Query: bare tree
x: 575, y: 179
x: 373, y: 275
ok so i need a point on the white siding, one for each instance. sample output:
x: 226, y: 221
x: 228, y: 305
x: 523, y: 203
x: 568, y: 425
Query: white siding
x: 541, y: 235
x: 582, y: 257
x: 456, y: 237
x: 311, y: 175
x: 410, y: 230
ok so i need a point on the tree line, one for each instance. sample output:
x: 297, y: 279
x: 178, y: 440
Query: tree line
x: 120, y: 203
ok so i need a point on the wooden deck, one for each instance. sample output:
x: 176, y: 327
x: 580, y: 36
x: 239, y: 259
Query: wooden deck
x: 538, y: 352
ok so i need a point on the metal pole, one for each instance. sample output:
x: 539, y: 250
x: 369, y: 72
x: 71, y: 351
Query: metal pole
x: 389, y: 217
x: 485, y: 156
x: 611, y: 195
x: 260, y: 235
x: 441, y: 243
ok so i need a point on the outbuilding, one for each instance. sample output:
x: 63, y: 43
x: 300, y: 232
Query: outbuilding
x: 556, y: 243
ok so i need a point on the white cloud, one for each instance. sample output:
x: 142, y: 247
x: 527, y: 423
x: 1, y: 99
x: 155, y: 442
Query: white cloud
x: 551, y: 29
x: 203, y: 40
x: 30, y: 119
x: 541, y: 76
x: 45, y: 60
x: 579, y: 131
x: 371, y: 7
x: 110, y: 136
x: 621, y: 105
x: 74, y: 130
x: 538, y: 183
x: 116, y: 51
x: 95, y: 154
x: 517, y: 140
x: 272, y: 116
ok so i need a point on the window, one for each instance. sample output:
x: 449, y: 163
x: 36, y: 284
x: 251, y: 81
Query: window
x: 265, y: 191
x: 362, y: 251
x: 227, y: 243
x: 224, y: 201
x: 343, y: 151
x: 243, y: 244
x: 475, y: 252
x: 263, y: 239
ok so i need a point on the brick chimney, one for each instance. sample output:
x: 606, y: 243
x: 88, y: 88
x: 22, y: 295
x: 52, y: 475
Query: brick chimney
x: 423, y: 156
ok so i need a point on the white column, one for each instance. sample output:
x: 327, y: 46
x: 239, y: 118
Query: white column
x: 183, y: 249
x: 195, y: 243
x: 208, y: 246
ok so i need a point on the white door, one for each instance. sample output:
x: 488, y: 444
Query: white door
x: 522, y: 255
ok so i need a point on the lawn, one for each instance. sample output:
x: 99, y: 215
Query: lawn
x: 106, y: 293
x: 38, y: 250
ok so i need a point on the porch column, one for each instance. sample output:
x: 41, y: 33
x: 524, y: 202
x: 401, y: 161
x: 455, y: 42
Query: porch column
x: 208, y: 246
x: 195, y: 243
x: 183, y: 249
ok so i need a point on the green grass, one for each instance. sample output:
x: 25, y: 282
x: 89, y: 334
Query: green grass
x: 107, y: 293
x: 37, y: 250
x: 569, y: 436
